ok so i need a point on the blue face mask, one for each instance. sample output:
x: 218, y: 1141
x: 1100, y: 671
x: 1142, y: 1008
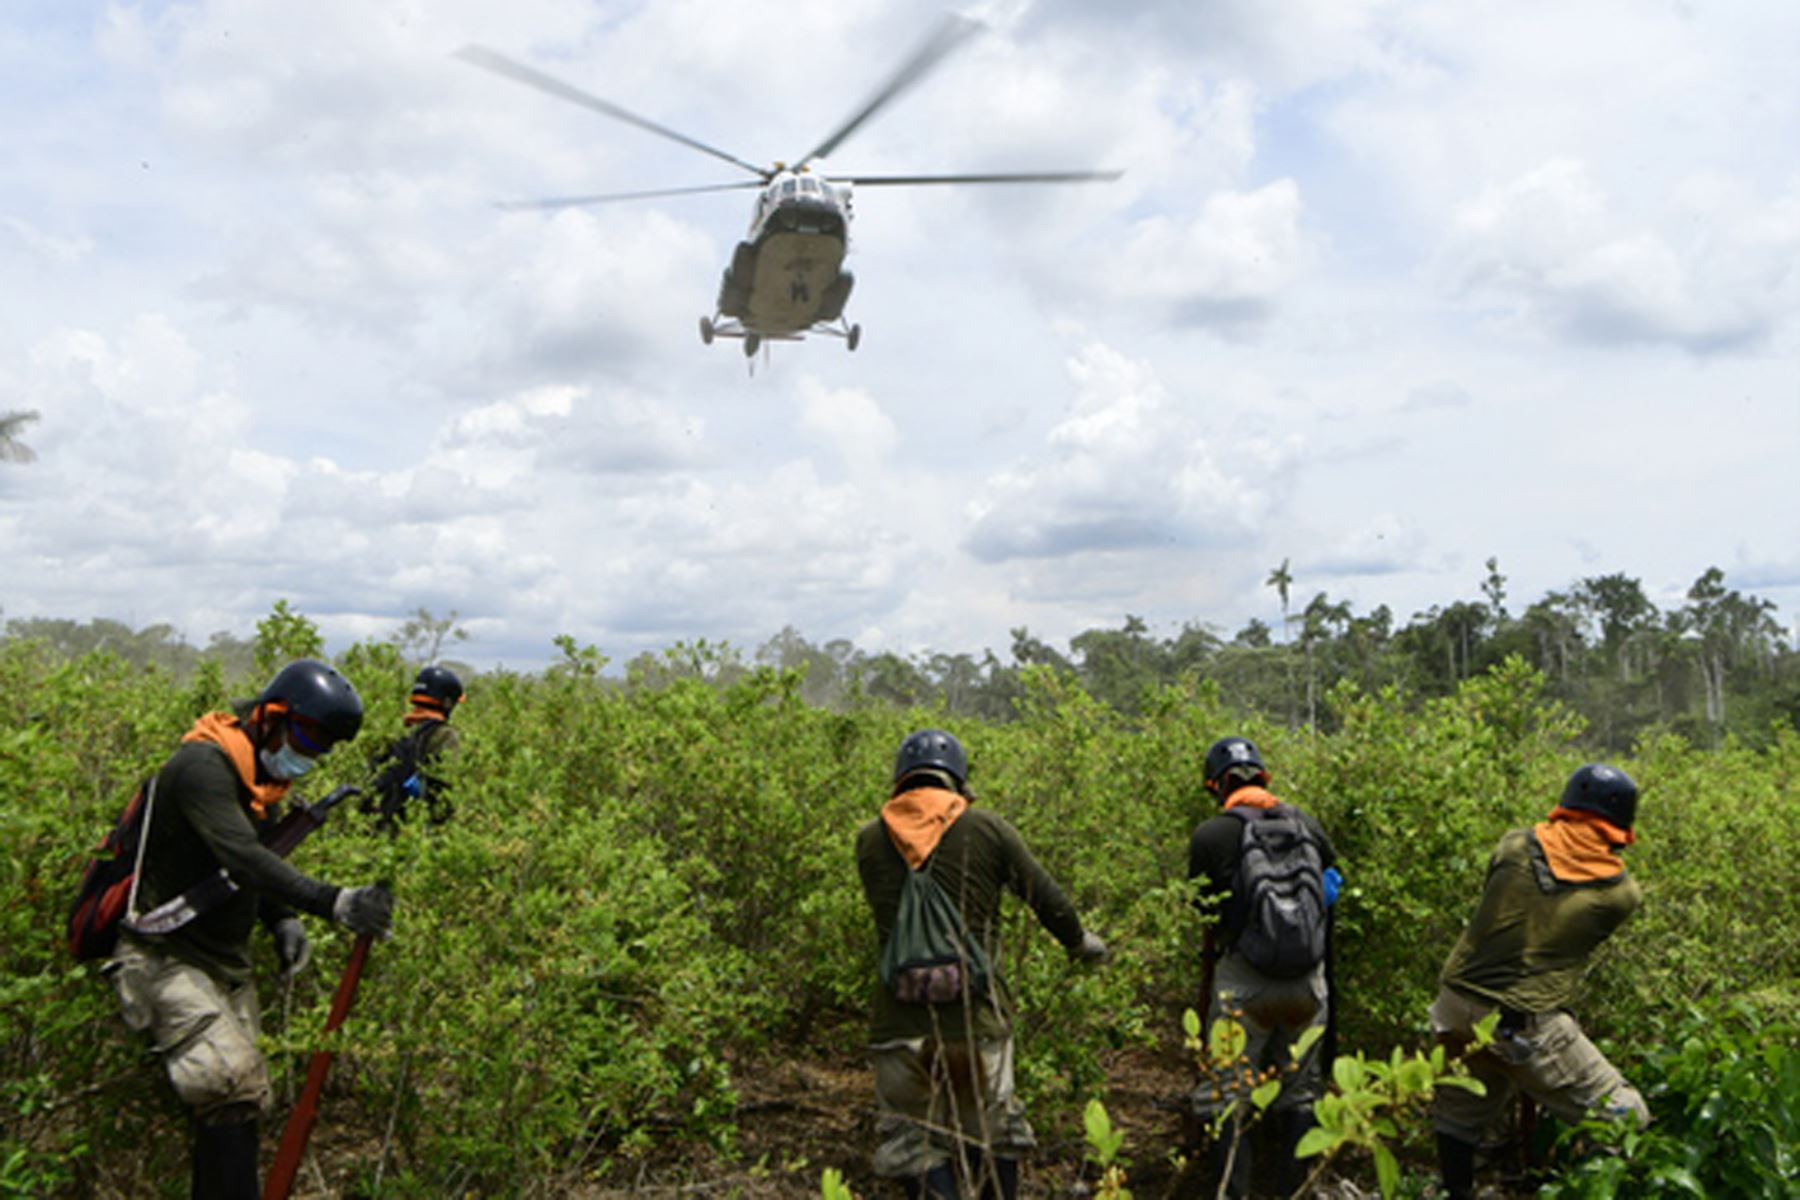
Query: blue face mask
x: 286, y: 763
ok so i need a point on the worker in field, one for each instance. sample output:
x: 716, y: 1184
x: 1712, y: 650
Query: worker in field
x: 410, y: 767
x: 1554, y: 893
x: 933, y: 868
x: 184, y: 977
x: 1270, y: 877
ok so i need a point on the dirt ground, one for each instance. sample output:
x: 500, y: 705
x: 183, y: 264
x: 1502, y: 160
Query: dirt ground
x: 797, y: 1118
x: 800, y: 1113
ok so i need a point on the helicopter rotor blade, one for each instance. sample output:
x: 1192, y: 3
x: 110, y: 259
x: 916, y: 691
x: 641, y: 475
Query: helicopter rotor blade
x: 988, y: 177
x: 953, y: 32
x: 490, y: 60
x: 554, y: 202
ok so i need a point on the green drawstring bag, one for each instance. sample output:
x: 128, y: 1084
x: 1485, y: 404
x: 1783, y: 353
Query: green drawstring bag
x: 929, y: 957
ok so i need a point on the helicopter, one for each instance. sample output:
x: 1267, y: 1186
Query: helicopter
x: 786, y: 278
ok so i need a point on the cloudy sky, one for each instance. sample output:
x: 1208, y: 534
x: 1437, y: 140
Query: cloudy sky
x: 1388, y: 287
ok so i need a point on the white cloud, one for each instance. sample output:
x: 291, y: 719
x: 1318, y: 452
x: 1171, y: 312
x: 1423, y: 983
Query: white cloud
x: 55, y: 249
x: 1228, y: 265
x: 850, y: 421
x: 1384, y: 545
x: 1306, y: 43
x: 1127, y: 470
x: 1551, y: 244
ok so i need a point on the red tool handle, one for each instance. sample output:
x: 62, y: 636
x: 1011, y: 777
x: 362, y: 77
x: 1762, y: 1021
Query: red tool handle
x: 306, y: 1109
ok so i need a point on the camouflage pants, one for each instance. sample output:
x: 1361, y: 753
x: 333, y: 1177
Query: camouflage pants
x: 934, y: 1098
x: 1551, y: 1060
x: 204, y: 1030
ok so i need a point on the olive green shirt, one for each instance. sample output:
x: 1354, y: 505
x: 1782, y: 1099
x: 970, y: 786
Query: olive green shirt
x: 981, y: 855
x: 438, y: 739
x: 200, y: 820
x: 1529, y: 942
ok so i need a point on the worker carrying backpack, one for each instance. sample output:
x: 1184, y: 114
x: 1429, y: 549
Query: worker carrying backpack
x: 930, y: 957
x: 1276, y: 913
x: 106, y: 900
x: 401, y: 776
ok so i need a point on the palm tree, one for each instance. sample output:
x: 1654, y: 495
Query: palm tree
x: 11, y: 425
x: 1316, y: 624
x: 1281, y: 579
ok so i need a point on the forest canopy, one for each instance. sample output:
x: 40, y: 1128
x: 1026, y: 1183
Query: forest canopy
x: 1719, y: 663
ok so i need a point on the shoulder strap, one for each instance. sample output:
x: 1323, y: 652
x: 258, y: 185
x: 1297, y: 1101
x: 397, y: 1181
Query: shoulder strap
x: 137, y: 868
x: 413, y: 753
x: 924, y: 867
x: 1248, y: 813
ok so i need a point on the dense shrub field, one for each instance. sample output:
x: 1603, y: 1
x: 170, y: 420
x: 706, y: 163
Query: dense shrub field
x: 648, y: 885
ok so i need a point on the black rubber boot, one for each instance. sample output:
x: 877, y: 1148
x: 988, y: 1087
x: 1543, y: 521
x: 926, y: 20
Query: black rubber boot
x: 1239, y: 1186
x: 1001, y: 1182
x: 1293, y: 1125
x: 225, y: 1161
x: 975, y: 1174
x: 939, y: 1183
x: 992, y: 1179
x: 1456, y: 1163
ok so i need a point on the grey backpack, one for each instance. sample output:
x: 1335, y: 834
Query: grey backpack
x: 1277, y: 908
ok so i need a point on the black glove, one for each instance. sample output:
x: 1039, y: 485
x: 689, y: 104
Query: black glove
x: 291, y: 946
x: 365, y: 909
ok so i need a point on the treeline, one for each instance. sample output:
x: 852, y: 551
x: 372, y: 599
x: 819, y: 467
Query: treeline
x: 1719, y: 664
x: 421, y: 637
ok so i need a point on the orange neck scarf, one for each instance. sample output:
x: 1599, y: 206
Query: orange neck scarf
x: 1253, y: 796
x: 420, y: 714
x: 916, y: 821
x: 1581, y: 847
x: 228, y: 734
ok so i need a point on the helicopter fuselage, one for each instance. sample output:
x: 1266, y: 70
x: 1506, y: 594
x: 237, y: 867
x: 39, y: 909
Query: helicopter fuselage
x: 787, y: 275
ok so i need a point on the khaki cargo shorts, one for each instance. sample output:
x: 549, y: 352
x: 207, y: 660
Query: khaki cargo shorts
x: 934, y: 1098
x: 204, y: 1030
x: 1551, y: 1060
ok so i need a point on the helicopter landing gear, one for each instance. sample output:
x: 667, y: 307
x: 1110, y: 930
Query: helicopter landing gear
x: 706, y: 330
x: 752, y: 344
x: 853, y: 338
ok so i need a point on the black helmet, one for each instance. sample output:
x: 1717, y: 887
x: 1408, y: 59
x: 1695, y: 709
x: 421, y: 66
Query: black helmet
x: 1608, y: 791
x: 1229, y: 752
x: 319, y: 693
x: 931, y: 749
x: 439, y: 686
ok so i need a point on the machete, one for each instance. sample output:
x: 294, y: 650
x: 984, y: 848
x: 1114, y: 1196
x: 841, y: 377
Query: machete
x: 306, y: 1109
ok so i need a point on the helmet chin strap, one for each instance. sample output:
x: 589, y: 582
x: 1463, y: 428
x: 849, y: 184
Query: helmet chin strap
x: 262, y: 721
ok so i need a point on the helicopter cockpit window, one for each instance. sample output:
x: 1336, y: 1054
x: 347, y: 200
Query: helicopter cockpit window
x: 809, y: 186
x: 790, y: 187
